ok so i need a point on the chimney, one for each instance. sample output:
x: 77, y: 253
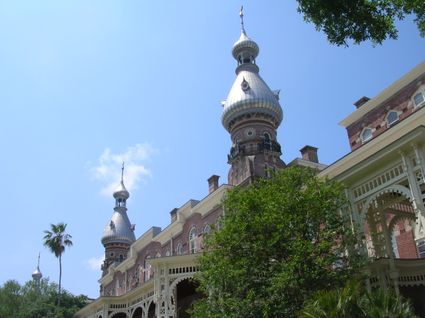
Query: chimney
x: 213, y: 183
x: 173, y: 215
x: 361, y: 101
x: 309, y: 153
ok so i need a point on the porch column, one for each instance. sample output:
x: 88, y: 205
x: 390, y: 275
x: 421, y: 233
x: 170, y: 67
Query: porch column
x: 393, y: 271
x: 157, y: 291
x: 415, y: 191
x: 356, y: 223
x: 105, y: 311
x: 413, y: 184
x: 420, y: 158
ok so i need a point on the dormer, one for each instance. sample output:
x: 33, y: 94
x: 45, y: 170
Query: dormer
x: 418, y: 98
x: 376, y: 115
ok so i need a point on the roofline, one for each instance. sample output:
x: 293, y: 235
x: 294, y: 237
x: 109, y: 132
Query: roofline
x: 381, y: 142
x: 307, y: 163
x: 416, y: 72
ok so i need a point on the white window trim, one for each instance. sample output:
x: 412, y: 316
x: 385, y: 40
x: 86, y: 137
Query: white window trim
x: 386, y: 117
x: 179, y: 249
x: 192, y: 240
x: 207, y: 229
x: 421, y: 90
x: 367, y: 139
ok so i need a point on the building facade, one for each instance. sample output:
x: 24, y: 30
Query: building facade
x: 384, y: 179
x: 152, y: 276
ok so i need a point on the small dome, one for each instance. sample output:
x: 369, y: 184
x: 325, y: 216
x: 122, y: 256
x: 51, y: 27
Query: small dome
x: 249, y: 95
x: 118, y: 229
x: 245, y: 43
x: 121, y: 192
x: 36, y: 274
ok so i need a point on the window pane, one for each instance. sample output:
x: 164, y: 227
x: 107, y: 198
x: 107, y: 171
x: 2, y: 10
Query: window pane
x: 392, y: 117
x: 367, y: 134
x: 419, y: 99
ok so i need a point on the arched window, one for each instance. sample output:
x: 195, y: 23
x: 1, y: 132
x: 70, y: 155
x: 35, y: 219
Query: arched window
x: 268, y: 171
x: 218, y: 223
x: 120, y: 202
x: 419, y: 99
x: 392, y: 117
x: 192, y: 240
x: 207, y: 229
x: 148, y: 268
x: 267, y: 141
x: 179, y: 249
x: 366, y: 134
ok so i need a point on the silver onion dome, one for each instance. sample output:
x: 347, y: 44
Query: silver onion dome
x: 121, y: 192
x: 118, y: 229
x: 249, y: 93
x: 245, y: 44
x: 37, y: 274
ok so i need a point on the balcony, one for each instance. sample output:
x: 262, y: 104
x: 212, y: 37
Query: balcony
x: 253, y: 149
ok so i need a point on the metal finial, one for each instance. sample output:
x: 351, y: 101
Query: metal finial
x: 241, y: 15
x: 122, y: 172
x: 38, y: 262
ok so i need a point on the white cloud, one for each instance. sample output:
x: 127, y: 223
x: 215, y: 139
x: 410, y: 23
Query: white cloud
x: 108, y: 169
x: 95, y: 263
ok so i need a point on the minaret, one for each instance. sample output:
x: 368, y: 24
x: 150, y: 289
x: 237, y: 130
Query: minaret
x: 118, y: 234
x: 251, y: 114
x: 37, y: 275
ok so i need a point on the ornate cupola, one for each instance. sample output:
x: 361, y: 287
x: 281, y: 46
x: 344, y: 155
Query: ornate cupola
x: 251, y: 114
x: 37, y: 275
x: 118, y: 234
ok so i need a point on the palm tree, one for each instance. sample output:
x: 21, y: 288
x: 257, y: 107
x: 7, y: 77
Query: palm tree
x: 56, y: 240
x: 354, y: 301
x: 335, y: 303
x: 382, y: 303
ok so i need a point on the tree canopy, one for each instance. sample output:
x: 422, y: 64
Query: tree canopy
x: 33, y: 301
x: 360, y: 20
x: 281, y: 240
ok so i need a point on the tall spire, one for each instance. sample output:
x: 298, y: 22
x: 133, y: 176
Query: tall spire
x: 122, y: 172
x: 242, y: 25
x: 118, y: 234
x: 251, y: 114
x: 245, y: 50
x: 121, y: 194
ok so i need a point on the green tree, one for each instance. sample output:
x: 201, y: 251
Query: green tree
x: 361, y: 20
x: 354, y: 301
x: 10, y: 298
x: 29, y: 301
x: 56, y: 240
x: 281, y: 240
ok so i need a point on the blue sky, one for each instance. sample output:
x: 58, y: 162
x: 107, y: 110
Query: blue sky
x: 86, y: 84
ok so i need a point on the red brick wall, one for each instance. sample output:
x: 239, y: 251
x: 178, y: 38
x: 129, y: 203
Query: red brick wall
x: 406, y: 245
x: 375, y: 119
x: 134, y: 278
